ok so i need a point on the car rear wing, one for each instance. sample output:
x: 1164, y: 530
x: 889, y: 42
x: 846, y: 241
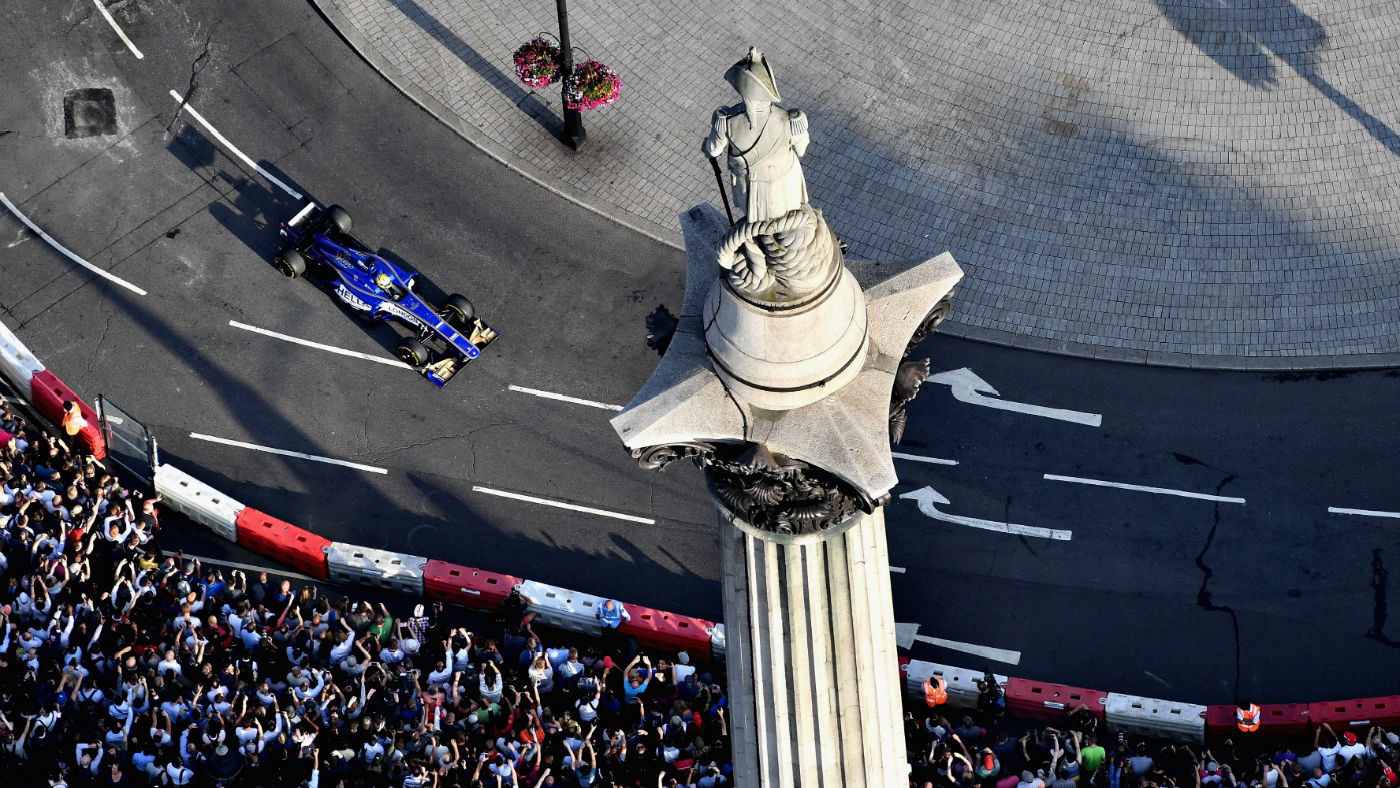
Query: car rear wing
x: 302, y: 214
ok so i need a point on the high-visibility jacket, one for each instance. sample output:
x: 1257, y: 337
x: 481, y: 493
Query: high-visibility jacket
x: 610, y: 618
x: 73, y: 421
x: 935, y: 690
x: 1248, y: 718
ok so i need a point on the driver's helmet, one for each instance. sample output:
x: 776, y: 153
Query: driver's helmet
x: 383, y: 281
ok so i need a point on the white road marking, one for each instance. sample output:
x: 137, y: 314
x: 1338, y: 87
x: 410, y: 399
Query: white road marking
x: 899, y: 570
x: 561, y: 505
x: 1362, y: 512
x: 20, y: 237
x: 926, y: 497
x: 1054, y: 477
x: 285, y: 453
x: 899, y: 455
x: 328, y: 348
x: 969, y: 388
x: 562, y: 398
x: 1157, y: 678
x: 296, y: 195
x: 64, y: 250
x: 995, y: 654
x: 108, y: 16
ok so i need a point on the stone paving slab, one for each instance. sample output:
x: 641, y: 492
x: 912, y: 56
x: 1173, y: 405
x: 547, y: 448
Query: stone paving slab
x: 1179, y: 182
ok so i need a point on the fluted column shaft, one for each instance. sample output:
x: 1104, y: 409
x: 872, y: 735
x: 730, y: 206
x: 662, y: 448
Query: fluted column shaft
x: 813, y: 672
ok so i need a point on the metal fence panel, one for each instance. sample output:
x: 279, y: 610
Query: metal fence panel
x: 129, y: 442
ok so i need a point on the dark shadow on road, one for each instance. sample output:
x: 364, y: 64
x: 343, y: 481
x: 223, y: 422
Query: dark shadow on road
x: 527, y: 101
x: 1239, y: 35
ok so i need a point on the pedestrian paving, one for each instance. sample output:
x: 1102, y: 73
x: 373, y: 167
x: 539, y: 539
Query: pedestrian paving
x: 1184, y: 182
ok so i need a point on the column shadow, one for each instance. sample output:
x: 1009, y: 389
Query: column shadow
x: 1240, y: 34
x: 525, y: 100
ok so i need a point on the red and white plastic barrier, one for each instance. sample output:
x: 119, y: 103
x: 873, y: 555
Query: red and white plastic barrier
x: 1041, y: 700
x: 366, y: 566
x: 17, y: 364
x: 465, y: 586
x: 282, y: 541
x: 198, y: 501
x: 1274, y: 718
x: 1162, y: 719
x: 669, y: 631
x: 48, y: 395
x: 1360, y: 713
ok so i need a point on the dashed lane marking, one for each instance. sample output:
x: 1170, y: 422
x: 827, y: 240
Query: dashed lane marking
x: 563, y: 398
x: 1054, y: 477
x: 108, y: 16
x: 899, y: 570
x: 1362, y: 512
x: 631, y: 518
x: 64, y: 250
x: 328, y: 348
x: 286, y: 453
x: 899, y: 455
x: 296, y: 195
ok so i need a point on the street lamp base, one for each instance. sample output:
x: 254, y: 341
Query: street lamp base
x: 574, y: 134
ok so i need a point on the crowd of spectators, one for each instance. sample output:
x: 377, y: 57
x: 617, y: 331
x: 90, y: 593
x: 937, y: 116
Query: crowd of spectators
x: 122, y: 664
x: 982, y: 750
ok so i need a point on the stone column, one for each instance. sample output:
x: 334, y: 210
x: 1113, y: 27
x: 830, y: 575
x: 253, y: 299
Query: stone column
x: 813, y: 673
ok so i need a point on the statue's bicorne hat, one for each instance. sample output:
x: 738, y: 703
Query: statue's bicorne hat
x: 753, y: 78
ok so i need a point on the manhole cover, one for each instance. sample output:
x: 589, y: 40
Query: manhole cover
x: 89, y: 112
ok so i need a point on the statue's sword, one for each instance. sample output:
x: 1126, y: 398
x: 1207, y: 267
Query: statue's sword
x: 723, y: 194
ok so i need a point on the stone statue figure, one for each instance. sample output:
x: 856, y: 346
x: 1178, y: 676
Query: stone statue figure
x: 761, y: 141
x: 782, y: 249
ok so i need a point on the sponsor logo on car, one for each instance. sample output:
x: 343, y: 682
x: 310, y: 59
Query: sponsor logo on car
x: 400, y: 312
x: 343, y: 293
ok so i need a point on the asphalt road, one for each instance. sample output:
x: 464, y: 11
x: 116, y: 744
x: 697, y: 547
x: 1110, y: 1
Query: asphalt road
x: 1157, y: 594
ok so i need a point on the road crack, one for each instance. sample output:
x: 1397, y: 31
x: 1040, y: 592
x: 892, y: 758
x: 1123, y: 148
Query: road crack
x: 201, y: 61
x: 1203, y: 595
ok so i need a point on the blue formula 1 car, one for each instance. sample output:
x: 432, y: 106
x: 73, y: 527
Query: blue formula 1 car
x: 321, y: 248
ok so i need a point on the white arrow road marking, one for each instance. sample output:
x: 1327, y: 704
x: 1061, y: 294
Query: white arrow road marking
x: 899, y: 455
x: 562, y: 398
x: 108, y: 16
x: 906, y: 634
x: 64, y: 250
x: 286, y: 453
x: 927, y: 497
x: 1054, y: 477
x: 561, y: 505
x: 328, y: 348
x: 1362, y: 512
x: 296, y: 195
x: 969, y: 388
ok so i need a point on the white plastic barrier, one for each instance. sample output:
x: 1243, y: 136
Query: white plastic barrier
x: 199, y: 501
x: 563, y: 608
x: 718, y: 644
x: 17, y: 364
x: 962, y: 682
x: 1161, y: 719
x: 348, y: 563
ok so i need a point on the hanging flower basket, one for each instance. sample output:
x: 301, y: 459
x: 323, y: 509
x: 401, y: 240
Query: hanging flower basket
x: 537, y: 62
x: 592, y: 85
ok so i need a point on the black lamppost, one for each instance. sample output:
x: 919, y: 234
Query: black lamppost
x: 574, y: 134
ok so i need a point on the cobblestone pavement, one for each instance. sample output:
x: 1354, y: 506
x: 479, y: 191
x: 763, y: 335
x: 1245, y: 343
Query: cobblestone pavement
x: 1187, y: 182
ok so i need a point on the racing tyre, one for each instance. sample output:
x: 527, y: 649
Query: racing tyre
x: 458, y: 310
x: 291, y: 263
x: 412, y: 352
x: 339, y: 219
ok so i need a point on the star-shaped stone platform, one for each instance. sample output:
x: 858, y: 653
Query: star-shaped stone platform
x: 845, y: 433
